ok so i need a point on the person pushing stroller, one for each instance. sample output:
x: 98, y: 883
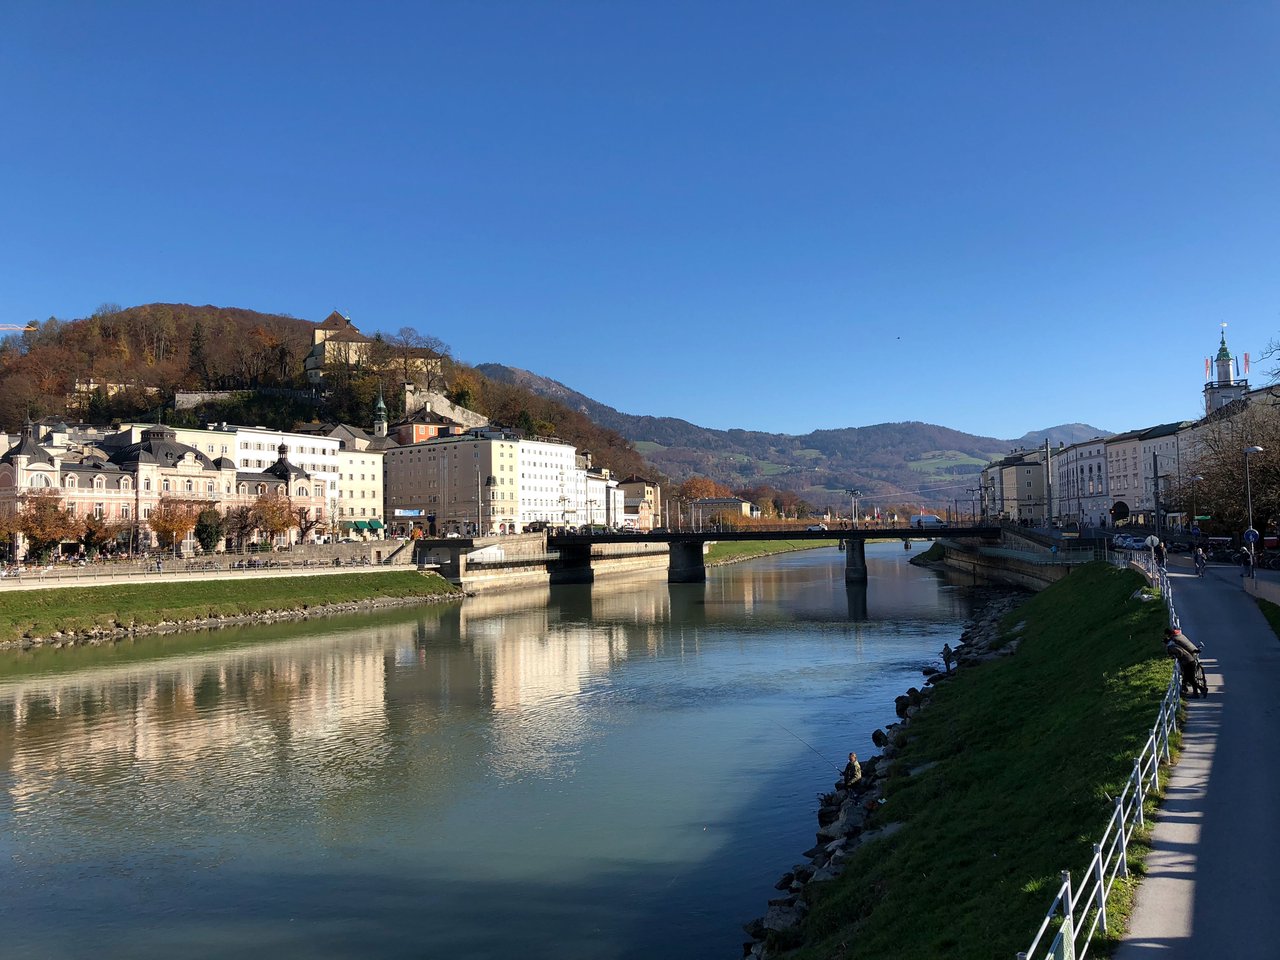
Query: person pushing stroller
x: 1178, y: 646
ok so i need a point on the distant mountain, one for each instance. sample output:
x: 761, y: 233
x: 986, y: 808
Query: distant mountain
x: 888, y: 462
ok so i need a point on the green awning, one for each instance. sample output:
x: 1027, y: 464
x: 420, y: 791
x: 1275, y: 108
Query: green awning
x: 362, y: 525
x: 375, y: 524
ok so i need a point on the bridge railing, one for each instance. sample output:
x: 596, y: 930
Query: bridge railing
x: 1079, y: 910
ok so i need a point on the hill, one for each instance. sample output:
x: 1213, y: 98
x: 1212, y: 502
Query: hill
x: 126, y: 363
x: 889, y: 462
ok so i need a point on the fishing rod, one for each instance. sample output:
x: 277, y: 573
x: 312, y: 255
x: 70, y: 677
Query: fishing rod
x: 813, y: 748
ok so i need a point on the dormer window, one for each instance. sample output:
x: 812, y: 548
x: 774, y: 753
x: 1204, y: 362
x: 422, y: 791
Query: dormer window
x: 99, y: 483
x: 68, y: 481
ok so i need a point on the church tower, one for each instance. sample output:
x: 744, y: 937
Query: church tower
x: 1224, y: 388
x: 380, y: 415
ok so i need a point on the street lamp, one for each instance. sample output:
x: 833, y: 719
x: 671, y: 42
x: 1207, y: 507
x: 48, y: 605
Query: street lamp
x: 1248, y: 495
x: 973, y: 513
x: 1194, y: 519
x: 853, y: 506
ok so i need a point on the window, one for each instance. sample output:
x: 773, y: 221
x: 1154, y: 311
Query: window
x: 99, y: 510
x: 39, y: 480
x: 126, y: 483
x: 125, y: 512
x: 165, y: 485
x: 68, y: 481
x: 189, y: 487
x: 146, y: 484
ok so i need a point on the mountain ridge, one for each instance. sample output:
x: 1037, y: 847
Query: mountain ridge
x: 905, y: 460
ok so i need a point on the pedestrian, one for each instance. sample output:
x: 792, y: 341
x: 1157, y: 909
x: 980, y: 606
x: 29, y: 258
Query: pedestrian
x: 948, y: 655
x: 1160, y: 554
x: 1199, y: 561
x: 159, y: 565
x: 852, y: 772
x: 1188, y: 656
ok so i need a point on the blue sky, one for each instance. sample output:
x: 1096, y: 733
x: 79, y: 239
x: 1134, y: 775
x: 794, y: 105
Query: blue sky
x: 785, y: 217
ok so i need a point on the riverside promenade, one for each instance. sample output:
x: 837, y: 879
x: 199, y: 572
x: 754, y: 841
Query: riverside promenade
x: 1213, y: 877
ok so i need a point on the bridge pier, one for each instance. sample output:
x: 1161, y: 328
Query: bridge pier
x: 686, y: 562
x: 857, y: 594
x: 574, y: 566
x: 855, y: 561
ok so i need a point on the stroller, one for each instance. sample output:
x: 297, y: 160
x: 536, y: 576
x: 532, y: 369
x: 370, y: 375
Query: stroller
x: 1188, y: 656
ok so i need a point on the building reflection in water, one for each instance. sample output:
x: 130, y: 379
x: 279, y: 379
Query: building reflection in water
x: 497, y: 679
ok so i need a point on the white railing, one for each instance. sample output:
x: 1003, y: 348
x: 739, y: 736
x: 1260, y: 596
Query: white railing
x: 1083, y: 909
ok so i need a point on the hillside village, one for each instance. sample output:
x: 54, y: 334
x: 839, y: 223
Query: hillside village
x: 440, y: 470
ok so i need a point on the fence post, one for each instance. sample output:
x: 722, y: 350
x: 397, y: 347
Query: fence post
x: 1068, y: 918
x: 1100, y: 877
x: 1124, y: 837
x: 1142, y: 792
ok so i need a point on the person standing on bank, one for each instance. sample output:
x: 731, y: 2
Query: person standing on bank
x: 852, y: 772
x: 948, y: 656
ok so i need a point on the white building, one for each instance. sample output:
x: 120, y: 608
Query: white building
x: 491, y: 480
x: 1081, y: 493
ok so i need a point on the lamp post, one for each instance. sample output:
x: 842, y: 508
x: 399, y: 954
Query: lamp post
x: 853, y: 506
x: 1194, y: 519
x: 973, y: 513
x: 1248, y: 496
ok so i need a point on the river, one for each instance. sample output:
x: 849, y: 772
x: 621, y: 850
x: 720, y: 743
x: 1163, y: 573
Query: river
x: 610, y: 771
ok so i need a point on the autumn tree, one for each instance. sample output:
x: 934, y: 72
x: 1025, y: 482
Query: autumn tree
x: 8, y: 530
x: 97, y: 532
x: 172, y: 519
x: 45, y: 523
x: 274, y: 514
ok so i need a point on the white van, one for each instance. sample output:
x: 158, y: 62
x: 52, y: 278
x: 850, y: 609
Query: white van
x: 925, y: 521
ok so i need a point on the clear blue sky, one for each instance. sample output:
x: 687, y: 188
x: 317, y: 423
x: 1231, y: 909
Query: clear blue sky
x: 777, y: 216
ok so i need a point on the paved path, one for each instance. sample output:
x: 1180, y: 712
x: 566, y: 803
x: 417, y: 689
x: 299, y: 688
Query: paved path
x: 1213, y: 878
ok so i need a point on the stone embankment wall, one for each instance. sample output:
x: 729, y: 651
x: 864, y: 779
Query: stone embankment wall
x: 846, y: 815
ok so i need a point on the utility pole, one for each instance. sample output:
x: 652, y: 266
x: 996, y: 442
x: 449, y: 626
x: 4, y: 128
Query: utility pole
x: 1048, y: 485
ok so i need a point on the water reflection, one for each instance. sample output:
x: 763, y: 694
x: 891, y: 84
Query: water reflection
x: 551, y: 755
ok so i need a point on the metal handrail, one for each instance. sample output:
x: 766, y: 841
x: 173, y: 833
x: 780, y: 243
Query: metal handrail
x: 1082, y: 910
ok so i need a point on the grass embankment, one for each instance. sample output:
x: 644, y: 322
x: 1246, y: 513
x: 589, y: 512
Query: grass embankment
x: 1031, y: 750
x: 732, y: 552
x: 42, y: 612
x: 1271, y: 612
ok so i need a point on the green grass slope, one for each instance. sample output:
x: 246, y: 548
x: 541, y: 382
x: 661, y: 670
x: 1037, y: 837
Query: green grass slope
x: 42, y: 612
x: 1030, y: 751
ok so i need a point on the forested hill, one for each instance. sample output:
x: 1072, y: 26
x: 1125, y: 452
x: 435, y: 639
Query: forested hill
x: 137, y: 353
x: 889, y: 461
x: 125, y: 363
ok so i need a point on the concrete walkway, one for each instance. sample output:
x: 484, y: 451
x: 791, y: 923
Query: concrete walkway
x: 1213, y: 878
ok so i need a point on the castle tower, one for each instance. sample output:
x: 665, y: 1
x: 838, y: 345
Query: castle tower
x: 1224, y: 388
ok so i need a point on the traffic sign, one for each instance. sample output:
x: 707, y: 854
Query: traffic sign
x: 1251, y: 535
x: 1152, y: 541
x: 1195, y: 530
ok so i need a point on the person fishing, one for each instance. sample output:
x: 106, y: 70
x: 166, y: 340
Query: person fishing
x: 852, y: 772
x: 948, y: 656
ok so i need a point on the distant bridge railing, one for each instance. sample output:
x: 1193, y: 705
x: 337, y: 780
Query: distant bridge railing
x: 1079, y: 911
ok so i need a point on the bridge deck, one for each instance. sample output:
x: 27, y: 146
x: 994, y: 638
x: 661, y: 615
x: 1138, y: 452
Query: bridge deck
x: 692, y: 536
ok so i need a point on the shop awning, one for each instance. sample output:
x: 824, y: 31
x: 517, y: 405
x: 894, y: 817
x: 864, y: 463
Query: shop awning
x: 375, y: 524
x: 362, y: 524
